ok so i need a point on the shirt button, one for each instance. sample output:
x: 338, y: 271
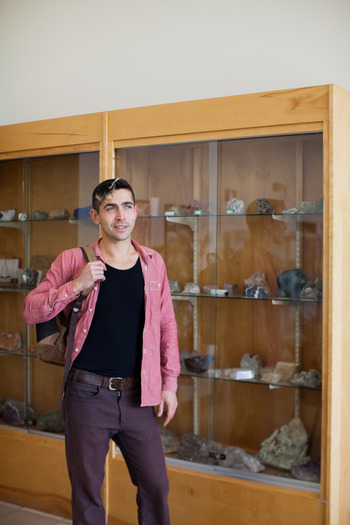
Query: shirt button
x: 146, y: 267
x: 84, y: 330
x: 50, y: 309
x: 76, y: 350
x: 95, y: 287
x: 143, y: 371
x: 90, y: 309
x: 65, y: 294
x: 144, y: 350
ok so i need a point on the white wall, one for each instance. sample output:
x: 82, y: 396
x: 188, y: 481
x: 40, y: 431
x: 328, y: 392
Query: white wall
x: 68, y: 57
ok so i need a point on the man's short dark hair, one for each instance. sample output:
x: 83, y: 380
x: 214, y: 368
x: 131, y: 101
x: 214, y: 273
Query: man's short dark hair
x: 105, y: 188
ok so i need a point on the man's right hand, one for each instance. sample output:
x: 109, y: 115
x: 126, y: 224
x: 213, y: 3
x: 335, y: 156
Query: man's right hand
x: 92, y: 272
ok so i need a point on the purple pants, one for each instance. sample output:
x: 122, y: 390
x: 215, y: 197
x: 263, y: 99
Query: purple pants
x: 95, y: 415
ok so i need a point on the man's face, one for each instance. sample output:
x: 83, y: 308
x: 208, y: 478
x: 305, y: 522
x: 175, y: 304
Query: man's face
x: 117, y: 215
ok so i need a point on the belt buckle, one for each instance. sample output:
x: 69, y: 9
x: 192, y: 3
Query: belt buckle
x: 110, y: 387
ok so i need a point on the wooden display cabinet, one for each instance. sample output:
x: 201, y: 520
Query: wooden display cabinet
x: 288, y: 146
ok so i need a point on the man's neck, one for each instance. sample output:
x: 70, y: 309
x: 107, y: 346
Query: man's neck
x: 120, y: 254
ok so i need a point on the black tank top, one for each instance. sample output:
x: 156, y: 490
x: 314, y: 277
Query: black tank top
x: 113, y: 346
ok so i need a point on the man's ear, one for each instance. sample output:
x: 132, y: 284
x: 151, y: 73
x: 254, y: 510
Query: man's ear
x: 94, y: 216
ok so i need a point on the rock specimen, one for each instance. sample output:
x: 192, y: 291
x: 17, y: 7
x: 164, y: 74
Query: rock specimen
x: 290, y: 283
x: 11, y: 340
x: 196, y: 448
x: 8, y: 215
x: 286, y: 446
x: 310, y: 379
x: 18, y: 413
x: 174, y: 287
x: 51, y: 422
x: 239, y: 459
x: 264, y: 207
x: 311, y: 206
x: 235, y: 206
x: 199, y: 363
x: 62, y: 213
x: 82, y: 213
x: 252, y: 361
x: 309, y: 472
x: 39, y: 215
x: 170, y: 441
x: 312, y: 290
x: 283, y: 371
x: 192, y: 288
x: 256, y: 286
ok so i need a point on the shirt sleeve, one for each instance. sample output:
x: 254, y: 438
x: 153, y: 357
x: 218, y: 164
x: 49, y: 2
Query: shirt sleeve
x: 54, y: 292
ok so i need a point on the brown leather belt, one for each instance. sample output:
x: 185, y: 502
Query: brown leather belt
x: 112, y: 383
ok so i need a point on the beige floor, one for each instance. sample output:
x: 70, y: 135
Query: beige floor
x: 14, y: 515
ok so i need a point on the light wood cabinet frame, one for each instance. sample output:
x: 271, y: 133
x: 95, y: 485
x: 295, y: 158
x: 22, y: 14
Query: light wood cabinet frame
x: 322, y: 108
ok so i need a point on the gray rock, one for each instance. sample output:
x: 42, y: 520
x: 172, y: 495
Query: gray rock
x: 197, y: 449
x: 264, y: 207
x: 170, y: 441
x: 252, y: 361
x: 290, y: 283
x: 40, y: 215
x: 18, y: 413
x: 286, y: 446
x: 309, y: 472
x: 235, y: 206
x: 312, y: 290
x: 310, y: 379
x: 51, y: 422
x: 241, y: 460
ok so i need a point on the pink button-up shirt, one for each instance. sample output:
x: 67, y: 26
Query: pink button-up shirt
x: 160, y: 353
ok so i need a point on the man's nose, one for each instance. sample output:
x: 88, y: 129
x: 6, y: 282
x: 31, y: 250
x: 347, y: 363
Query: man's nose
x: 119, y: 213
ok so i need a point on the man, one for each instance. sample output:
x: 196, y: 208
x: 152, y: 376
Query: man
x: 125, y: 358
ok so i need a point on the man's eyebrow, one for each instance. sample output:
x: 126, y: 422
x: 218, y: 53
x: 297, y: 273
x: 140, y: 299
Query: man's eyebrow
x: 124, y: 203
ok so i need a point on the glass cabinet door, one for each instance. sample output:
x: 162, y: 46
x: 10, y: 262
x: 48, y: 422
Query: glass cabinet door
x: 239, y: 224
x: 49, y: 199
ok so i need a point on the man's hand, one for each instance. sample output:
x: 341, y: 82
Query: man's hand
x: 92, y: 272
x: 167, y: 406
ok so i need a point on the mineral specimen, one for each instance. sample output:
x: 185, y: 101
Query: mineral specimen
x: 231, y: 288
x: 252, y: 361
x: 290, y: 283
x: 257, y: 279
x: 8, y: 215
x: 312, y: 290
x: 82, y: 213
x: 18, y: 413
x: 309, y: 472
x: 310, y: 379
x: 11, y: 340
x: 255, y: 292
x: 192, y: 288
x: 39, y: 215
x: 264, y: 207
x: 196, y: 448
x: 286, y: 446
x: 51, y: 422
x: 241, y: 460
x: 174, y: 286
x: 199, y: 363
x: 235, y: 206
x: 59, y: 214
x: 311, y: 206
x: 170, y: 441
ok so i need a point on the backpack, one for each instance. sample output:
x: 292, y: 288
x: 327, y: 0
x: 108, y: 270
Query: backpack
x: 52, y: 335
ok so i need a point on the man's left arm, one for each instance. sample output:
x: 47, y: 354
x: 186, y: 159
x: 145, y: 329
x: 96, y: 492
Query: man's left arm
x: 167, y: 406
x: 169, y: 350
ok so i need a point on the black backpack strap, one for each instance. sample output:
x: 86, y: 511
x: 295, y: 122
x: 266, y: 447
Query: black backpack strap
x: 89, y: 255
